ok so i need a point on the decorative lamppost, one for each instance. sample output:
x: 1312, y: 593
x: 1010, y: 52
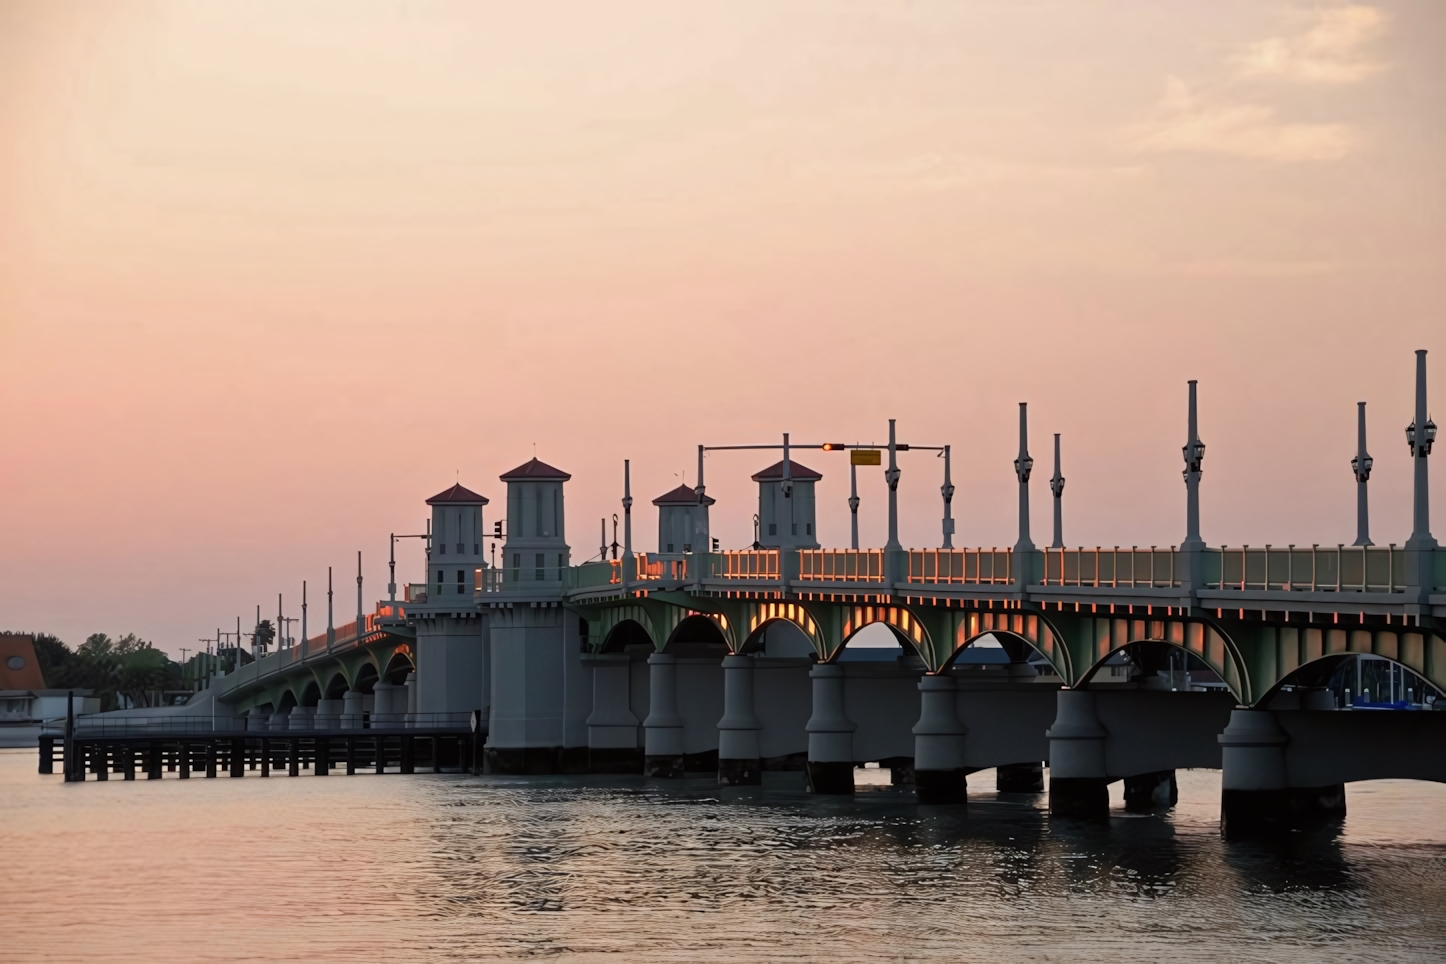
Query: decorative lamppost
x: 891, y: 475
x: 1194, y: 453
x: 1361, y: 466
x: 1420, y: 434
x: 1023, y: 465
x: 1056, y: 487
x: 947, y: 491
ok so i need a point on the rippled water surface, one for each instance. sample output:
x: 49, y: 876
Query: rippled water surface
x: 447, y: 867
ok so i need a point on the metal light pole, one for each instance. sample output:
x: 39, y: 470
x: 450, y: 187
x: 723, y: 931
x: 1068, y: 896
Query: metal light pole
x: 1023, y: 465
x: 629, y: 563
x: 330, y: 620
x: 1419, y: 435
x: 892, y: 477
x: 392, y: 559
x: 1056, y: 486
x: 785, y: 487
x: 1361, y: 466
x: 303, y: 620
x: 1194, y: 453
x: 358, y: 595
x: 947, y: 491
x: 854, y: 501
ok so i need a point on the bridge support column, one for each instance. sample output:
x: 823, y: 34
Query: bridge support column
x: 1078, y: 782
x: 663, y: 728
x: 409, y: 687
x: 1255, y: 797
x: 351, y: 710
x: 739, y: 762
x: 385, y: 709
x: 1020, y: 778
x: 302, y: 717
x: 939, y: 772
x: 328, y: 714
x: 1151, y: 791
x: 612, y: 729
x: 830, y: 767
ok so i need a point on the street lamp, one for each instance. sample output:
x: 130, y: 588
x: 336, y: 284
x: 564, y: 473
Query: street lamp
x: 1427, y: 437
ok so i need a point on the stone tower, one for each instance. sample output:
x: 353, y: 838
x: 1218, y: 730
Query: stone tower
x: 536, y: 550
x: 786, y: 521
x: 682, y: 522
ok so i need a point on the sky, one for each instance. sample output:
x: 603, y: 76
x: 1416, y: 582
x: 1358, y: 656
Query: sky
x: 272, y: 274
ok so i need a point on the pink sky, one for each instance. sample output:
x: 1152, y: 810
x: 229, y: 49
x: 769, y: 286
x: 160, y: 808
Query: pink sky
x: 271, y: 274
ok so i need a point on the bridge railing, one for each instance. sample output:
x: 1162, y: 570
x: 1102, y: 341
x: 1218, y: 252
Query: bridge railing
x: 841, y: 565
x: 986, y: 567
x: 743, y: 564
x: 1112, y: 568
x: 1337, y: 568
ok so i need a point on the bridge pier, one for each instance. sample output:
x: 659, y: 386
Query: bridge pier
x: 1151, y: 791
x: 1019, y: 778
x: 1078, y: 780
x: 301, y: 717
x: 388, y: 708
x: 739, y: 760
x: 939, y: 772
x: 1256, y: 798
x: 612, y: 728
x: 830, y: 767
x: 328, y: 715
x: 663, y: 728
x: 351, y: 710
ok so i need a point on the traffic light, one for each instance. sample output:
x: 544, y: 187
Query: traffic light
x: 834, y: 446
x: 497, y: 529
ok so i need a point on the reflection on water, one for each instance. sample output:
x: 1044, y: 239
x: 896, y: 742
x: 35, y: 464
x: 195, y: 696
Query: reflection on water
x: 445, y: 867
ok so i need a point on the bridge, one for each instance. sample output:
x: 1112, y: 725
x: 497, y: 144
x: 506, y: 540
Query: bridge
x: 1291, y: 668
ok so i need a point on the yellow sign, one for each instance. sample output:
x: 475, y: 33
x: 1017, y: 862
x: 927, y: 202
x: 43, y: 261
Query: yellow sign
x: 865, y: 457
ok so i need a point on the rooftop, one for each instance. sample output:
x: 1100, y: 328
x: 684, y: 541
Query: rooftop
x: 683, y: 495
x: 458, y: 495
x: 796, y: 471
x: 535, y: 471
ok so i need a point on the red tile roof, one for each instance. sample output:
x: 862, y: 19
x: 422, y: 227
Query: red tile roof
x: 683, y: 495
x: 458, y: 495
x: 535, y: 471
x: 796, y: 471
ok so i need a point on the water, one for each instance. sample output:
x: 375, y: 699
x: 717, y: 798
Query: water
x: 446, y: 867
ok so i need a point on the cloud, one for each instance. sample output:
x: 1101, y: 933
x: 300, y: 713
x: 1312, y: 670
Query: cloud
x: 1184, y: 121
x: 1328, y: 53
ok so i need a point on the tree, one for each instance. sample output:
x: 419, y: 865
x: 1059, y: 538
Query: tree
x: 265, y: 633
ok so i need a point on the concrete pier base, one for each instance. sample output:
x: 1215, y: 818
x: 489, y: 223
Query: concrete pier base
x: 739, y: 760
x: 829, y: 767
x: 1020, y: 778
x: 663, y: 728
x: 1078, y: 781
x: 940, y: 776
x: 612, y: 728
x: 1263, y: 813
x: 1256, y: 798
x: 1151, y: 791
x: 829, y: 777
x: 1079, y: 796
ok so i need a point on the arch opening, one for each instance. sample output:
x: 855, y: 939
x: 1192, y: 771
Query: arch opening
x: 1359, y: 680
x: 628, y: 636
x: 336, y: 687
x: 998, y: 651
x: 286, y: 703
x: 310, y: 694
x: 698, y: 635
x: 869, y: 630
x: 397, y: 668
x: 1160, y: 664
x: 366, y: 679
